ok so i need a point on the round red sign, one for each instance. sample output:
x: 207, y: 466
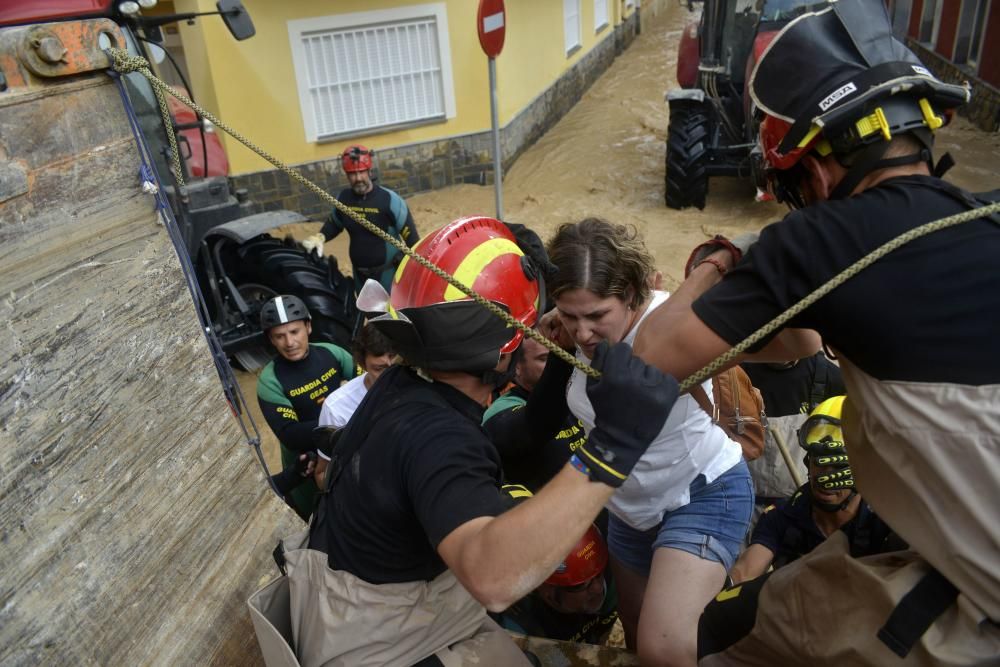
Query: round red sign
x: 491, y: 23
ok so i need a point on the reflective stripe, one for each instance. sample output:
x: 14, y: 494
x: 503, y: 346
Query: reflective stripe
x: 476, y: 261
x: 279, y: 302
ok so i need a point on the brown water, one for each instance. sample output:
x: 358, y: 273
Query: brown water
x: 606, y: 158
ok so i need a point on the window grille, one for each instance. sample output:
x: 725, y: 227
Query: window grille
x: 360, y: 76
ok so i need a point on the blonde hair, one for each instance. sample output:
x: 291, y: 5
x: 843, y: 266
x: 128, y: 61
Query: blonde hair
x: 607, y: 259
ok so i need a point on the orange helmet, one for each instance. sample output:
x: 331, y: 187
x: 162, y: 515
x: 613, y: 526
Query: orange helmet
x: 436, y: 326
x: 587, y: 560
x: 356, y: 158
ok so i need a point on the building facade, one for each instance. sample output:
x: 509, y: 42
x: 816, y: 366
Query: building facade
x: 960, y: 41
x: 406, y: 78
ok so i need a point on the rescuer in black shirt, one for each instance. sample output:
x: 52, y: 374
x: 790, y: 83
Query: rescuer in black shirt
x: 413, y: 517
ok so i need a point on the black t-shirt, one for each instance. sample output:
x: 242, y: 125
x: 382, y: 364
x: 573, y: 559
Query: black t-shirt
x: 928, y: 312
x: 526, y: 461
x: 423, y: 469
x: 789, y: 531
x: 796, y: 389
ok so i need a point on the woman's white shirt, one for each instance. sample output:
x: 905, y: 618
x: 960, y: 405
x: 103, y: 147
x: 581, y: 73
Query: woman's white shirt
x: 689, y: 444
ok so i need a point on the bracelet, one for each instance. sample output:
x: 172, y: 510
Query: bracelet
x: 714, y: 262
x: 579, y: 465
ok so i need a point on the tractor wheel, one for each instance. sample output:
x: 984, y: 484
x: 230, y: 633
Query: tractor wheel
x: 687, y: 155
x: 270, y: 266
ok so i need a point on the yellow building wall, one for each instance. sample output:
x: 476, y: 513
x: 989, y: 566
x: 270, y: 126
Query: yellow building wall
x: 251, y: 85
x: 534, y: 53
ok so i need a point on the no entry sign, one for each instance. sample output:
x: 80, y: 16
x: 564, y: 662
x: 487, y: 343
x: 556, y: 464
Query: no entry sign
x: 491, y: 24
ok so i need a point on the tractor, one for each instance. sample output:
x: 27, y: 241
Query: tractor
x: 237, y: 263
x: 712, y: 129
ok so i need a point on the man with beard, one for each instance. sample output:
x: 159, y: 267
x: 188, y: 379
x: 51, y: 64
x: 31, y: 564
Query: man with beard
x: 371, y: 257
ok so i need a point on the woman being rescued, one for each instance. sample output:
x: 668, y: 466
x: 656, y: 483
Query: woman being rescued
x: 678, y: 521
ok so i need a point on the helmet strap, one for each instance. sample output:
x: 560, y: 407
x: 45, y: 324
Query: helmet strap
x: 833, y: 507
x: 500, y: 379
x: 869, y: 159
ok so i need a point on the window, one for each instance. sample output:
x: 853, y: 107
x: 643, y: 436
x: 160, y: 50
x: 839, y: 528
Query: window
x: 600, y: 14
x: 930, y: 21
x: 371, y: 70
x: 571, y: 20
x: 971, y: 26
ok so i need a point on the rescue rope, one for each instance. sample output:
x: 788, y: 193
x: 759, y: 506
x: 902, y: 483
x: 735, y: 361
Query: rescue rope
x: 835, y: 282
x: 230, y: 387
x: 125, y: 63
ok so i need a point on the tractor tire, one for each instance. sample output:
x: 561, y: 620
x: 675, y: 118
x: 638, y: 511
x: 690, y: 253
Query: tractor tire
x: 269, y: 266
x: 687, y: 155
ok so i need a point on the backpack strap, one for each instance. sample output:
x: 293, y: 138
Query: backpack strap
x: 916, y: 612
x: 701, y: 398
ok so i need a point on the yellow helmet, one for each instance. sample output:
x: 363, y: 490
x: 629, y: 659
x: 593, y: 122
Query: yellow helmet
x: 823, y: 441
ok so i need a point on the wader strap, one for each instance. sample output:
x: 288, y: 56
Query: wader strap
x: 820, y: 378
x: 916, y: 612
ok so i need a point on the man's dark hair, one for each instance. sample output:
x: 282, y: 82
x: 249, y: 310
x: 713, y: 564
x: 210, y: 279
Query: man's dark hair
x: 369, y: 341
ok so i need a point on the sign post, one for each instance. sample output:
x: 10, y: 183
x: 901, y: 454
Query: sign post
x: 491, y: 26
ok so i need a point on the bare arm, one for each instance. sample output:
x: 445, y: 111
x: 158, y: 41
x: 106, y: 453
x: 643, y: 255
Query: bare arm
x: 674, y: 339
x: 501, y: 559
x: 751, y: 564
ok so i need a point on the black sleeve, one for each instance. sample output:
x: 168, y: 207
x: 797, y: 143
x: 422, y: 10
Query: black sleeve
x: 288, y: 480
x: 791, y: 259
x: 292, y: 433
x: 770, y: 529
x: 333, y: 226
x: 516, y: 432
x: 452, y: 475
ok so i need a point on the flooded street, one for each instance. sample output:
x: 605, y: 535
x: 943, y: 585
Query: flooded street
x: 606, y: 159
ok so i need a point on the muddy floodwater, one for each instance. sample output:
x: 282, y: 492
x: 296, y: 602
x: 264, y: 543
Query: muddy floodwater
x: 606, y: 158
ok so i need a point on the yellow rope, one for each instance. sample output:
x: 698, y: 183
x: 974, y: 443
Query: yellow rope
x: 852, y: 270
x: 124, y: 63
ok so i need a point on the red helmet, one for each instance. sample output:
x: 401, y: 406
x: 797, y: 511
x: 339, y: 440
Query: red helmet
x: 836, y: 80
x: 587, y: 560
x: 356, y: 158
x: 435, y: 325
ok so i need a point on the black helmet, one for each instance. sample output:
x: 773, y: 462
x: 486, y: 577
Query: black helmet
x: 836, y: 80
x: 282, y: 310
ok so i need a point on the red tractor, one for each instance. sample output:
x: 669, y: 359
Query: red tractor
x: 711, y: 130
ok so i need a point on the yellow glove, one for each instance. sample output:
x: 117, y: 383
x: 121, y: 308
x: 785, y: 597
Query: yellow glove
x: 314, y: 243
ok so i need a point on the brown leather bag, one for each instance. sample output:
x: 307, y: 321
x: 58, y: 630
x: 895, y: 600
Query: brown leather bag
x: 738, y: 408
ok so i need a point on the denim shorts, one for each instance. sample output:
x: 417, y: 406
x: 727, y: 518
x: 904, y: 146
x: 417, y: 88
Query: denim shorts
x: 712, y: 526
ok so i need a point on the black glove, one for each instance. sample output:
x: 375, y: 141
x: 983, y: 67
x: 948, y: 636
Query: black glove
x: 631, y: 402
x: 303, y: 462
x: 532, y: 246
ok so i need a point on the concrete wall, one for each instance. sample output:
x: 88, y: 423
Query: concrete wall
x: 467, y: 158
